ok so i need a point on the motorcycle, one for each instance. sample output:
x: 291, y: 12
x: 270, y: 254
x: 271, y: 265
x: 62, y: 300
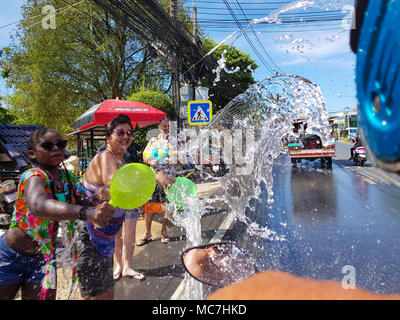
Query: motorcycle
x: 8, y: 195
x: 360, y: 156
x: 218, y: 264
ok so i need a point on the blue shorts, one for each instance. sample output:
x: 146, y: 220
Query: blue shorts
x: 132, y: 214
x: 16, y: 268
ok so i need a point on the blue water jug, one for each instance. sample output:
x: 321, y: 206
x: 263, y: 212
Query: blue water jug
x: 378, y: 82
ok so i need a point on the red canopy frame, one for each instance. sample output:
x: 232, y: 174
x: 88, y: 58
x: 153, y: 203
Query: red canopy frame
x: 90, y: 126
x: 140, y: 114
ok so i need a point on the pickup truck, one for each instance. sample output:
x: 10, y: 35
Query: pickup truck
x: 309, y: 147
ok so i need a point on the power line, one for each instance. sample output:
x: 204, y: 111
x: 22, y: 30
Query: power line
x: 266, y: 2
x: 258, y: 40
x: 150, y: 21
x: 275, y: 31
x: 267, y: 66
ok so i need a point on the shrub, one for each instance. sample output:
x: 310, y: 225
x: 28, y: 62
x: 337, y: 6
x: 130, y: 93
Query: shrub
x: 157, y: 100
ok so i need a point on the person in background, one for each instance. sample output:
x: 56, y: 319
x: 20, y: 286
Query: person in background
x: 357, y: 143
x: 47, y: 194
x: 165, y: 172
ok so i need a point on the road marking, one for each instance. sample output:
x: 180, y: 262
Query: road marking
x: 369, y: 181
x: 373, y: 174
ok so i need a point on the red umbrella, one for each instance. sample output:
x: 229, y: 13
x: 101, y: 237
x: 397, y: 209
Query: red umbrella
x: 140, y: 114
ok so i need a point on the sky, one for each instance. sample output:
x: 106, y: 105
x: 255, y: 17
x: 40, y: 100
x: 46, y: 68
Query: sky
x: 318, y: 51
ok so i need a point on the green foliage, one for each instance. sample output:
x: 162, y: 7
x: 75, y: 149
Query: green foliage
x: 57, y: 74
x: 6, y: 117
x: 156, y: 99
x: 234, y: 58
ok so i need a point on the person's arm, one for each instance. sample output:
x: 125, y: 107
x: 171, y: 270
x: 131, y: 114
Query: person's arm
x: 85, y: 198
x: 50, y: 209
x: 277, y: 285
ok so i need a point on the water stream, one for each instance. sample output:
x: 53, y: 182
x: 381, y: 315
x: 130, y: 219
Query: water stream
x: 250, y: 130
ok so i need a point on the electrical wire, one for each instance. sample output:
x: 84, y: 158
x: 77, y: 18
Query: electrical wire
x: 267, y: 66
x: 258, y: 40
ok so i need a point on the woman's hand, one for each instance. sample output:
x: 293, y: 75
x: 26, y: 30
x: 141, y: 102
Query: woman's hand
x: 101, y: 214
x: 103, y: 194
x: 164, y: 180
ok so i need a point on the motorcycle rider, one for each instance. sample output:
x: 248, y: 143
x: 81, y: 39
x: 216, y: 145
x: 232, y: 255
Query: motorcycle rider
x: 357, y: 143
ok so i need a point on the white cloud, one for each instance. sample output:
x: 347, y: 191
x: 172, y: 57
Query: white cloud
x: 312, y: 47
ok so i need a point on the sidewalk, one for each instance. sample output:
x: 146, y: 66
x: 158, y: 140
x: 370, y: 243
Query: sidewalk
x: 159, y: 262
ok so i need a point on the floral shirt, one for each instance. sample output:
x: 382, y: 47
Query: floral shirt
x: 161, y: 142
x: 42, y: 230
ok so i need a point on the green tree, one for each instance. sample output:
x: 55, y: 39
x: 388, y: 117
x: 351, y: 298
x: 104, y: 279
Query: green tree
x: 6, y: 117
x: 56, y: 74
x: 234, y: 58
x: 156, y: 99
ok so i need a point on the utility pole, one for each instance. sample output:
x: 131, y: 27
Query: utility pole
x: 195, y: 41
x: 194, y: 23
x: 175, y: 68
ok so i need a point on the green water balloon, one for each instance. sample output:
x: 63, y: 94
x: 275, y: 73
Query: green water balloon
x: 180, y: 192
x: 132, y: 186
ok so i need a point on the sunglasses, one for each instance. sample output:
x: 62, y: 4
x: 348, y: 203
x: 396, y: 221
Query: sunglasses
x: 48, y: 145
x: 122, y: 132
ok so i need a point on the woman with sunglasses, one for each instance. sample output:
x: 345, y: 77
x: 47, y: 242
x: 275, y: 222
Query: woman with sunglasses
x: 95, y: 257
x: 47, y: 194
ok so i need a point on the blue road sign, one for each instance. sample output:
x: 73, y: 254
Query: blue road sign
x: 199, y: 112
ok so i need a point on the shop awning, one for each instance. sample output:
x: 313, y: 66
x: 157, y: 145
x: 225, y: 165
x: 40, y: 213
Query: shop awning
x: 141, y: 115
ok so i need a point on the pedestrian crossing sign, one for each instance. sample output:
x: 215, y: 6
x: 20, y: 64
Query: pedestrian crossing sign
x: 199, y: 112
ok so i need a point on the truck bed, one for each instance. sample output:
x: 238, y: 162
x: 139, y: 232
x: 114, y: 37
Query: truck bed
x: 312, y: 153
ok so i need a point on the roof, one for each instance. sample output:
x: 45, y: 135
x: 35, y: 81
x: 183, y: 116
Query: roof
x: 13, y: 139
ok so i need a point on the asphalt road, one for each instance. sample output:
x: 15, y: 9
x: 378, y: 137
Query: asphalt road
x: 332, y: 220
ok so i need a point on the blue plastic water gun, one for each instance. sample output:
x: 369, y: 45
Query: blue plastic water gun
x: 378, y: 82
x: 160, y: 154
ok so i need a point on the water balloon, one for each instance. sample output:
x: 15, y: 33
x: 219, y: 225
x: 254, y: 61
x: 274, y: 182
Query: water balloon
x: 181, y: 191
x: 132, y: 186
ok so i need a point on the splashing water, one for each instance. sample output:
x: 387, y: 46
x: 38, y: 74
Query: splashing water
x: 189, y: 219
x: 266, y: 111
x: 274, y: 18
x: 269, y: 109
